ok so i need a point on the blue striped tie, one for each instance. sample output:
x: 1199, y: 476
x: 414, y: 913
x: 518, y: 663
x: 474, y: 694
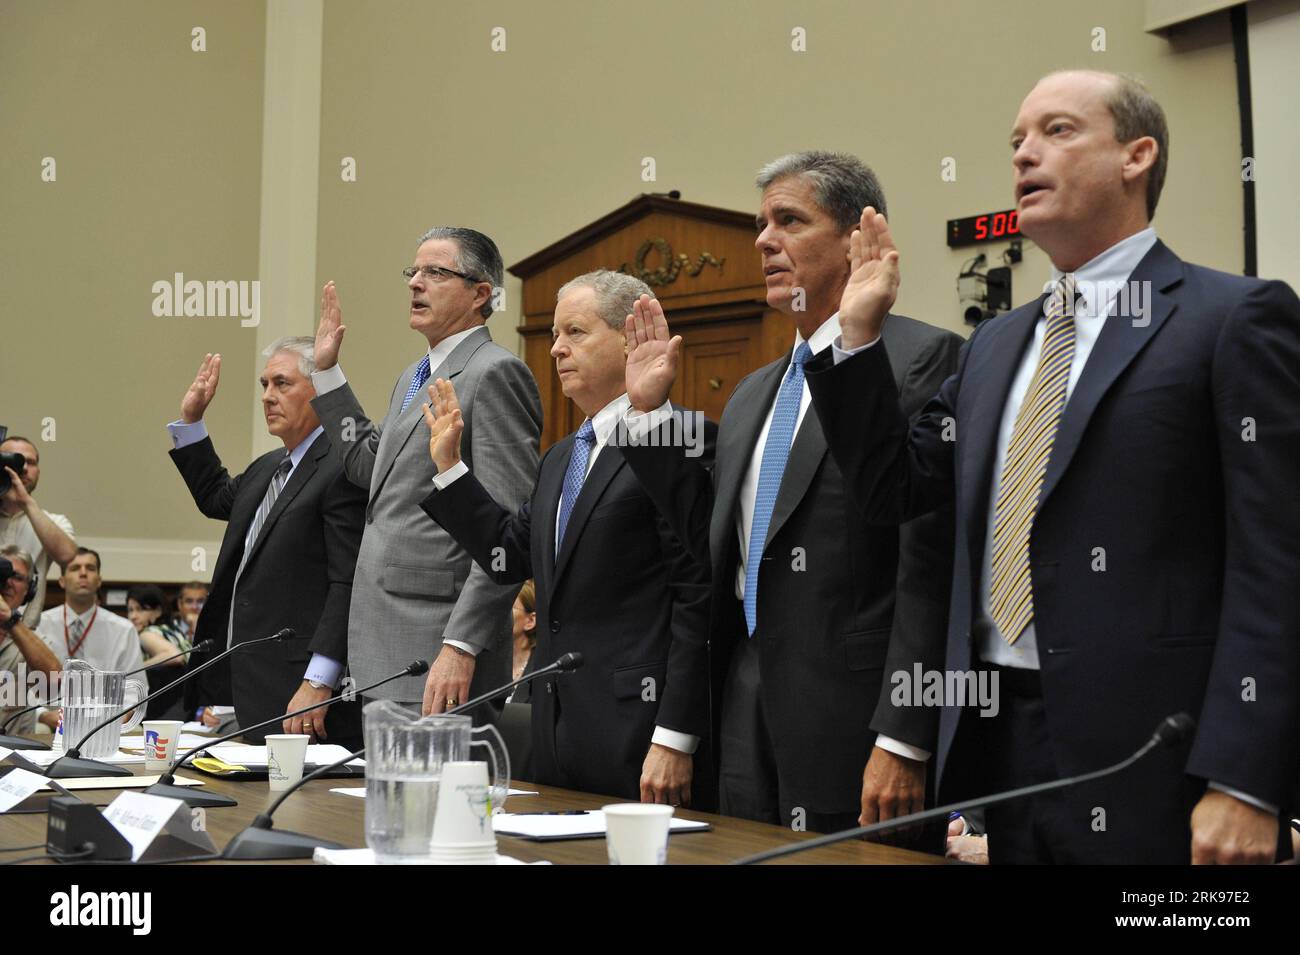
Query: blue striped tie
x: 417, y: 381
x: 775, y: 453
x: 574, y: 476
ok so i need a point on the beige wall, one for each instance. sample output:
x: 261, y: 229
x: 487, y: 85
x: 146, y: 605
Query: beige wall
x: 160, y: 151
x: 157, y: 152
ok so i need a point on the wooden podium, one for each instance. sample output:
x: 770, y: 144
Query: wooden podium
x: 702, y: 264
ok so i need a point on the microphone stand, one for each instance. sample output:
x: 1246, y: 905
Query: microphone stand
x: 1172, y: 731
x: 71, y: 765
x: 166, y: 783
x: 260, y: 840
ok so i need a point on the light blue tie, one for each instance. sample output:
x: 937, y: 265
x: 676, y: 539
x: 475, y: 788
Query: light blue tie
x: 417, y: 381
x: 574, y: 476
x: 775, y: 453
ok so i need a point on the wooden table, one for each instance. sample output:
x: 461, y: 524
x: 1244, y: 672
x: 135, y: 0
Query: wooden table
x: 341, y: 819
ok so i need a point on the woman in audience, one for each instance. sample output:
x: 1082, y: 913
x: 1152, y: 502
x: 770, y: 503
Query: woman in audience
x: 525, y: 638
x: 160, y: 638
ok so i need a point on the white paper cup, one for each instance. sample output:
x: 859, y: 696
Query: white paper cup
x: 637, y: 833
x: 462, y: 825
x: 160, y: 739
x: 285, y: 753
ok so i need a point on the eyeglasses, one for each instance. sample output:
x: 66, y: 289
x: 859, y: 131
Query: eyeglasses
x: 434, y: 271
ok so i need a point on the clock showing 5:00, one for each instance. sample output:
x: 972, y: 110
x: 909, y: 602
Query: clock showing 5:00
x: 987, y: 227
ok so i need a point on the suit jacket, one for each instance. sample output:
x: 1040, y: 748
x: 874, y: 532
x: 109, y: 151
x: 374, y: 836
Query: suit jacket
x: 1177, y: 456
x: 622, y: 591
x: 832, y: 624
x: 299, y: 575
x: 415, y: 585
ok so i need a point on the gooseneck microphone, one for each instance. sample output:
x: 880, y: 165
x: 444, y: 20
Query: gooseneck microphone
x: 260, y: 840
x: 71, y: 765
x: 166, y: 783
x: 21, y: 742
x: 1172, y: 731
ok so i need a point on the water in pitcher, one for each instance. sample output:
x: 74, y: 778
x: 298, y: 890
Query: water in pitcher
x: 81, y: 719
x: 399, y: 816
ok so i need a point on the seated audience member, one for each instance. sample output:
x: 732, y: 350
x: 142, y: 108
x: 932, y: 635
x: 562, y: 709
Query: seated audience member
x: 22, y: 652
x: 160, y: 641
x: 524, y: 637
x: 80, y: 629
x: 188, y: 604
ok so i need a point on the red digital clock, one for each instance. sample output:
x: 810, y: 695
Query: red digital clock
x: 989, y: 227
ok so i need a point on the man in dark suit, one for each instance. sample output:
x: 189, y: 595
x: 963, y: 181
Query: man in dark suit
x: 1124, y: 470
x: 293, y: 525
x: 813, y: 610
x: 613, y: 582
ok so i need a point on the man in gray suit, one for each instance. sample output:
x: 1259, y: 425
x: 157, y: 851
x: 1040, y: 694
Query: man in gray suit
x: 416, y: 593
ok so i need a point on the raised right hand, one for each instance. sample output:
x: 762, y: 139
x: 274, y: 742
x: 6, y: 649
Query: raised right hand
x: 873, y: 280
x: 651, y: 355
x: 329, y: 333
x: 203, y: 389
x: 445, y: 424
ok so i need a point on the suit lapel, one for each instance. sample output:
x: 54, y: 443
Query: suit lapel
x: 406, y: 422
x: 1121, y: 340
x: 297, y: 481
x: 735, y: 449
x: 994, y: 370
x: 806, y: 453
x: 608, y: 463
x: 550, y: 484
x: 258, y: 476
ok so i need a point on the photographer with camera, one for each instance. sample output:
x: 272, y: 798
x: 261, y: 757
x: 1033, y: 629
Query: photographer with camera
x: 19, y: 644
x: 47, y: 537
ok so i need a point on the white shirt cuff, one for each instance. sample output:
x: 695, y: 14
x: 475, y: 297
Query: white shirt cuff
x: 1248, y: 800
x: 183, y: 435
x: 461, y: 645
x: 440, y: 481
x: 840, y: 354
x: 323, y: 669
x: 898, y: 748
x: 638, y: 424
x: 682, y: 742
x: 328, y: 380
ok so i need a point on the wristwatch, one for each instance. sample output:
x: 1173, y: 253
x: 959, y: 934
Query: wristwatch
x: 12, y: 622
x: 316, y: 686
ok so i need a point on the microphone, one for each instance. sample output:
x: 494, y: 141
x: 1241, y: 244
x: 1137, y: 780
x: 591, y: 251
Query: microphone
x: 166, y: 783
x: 71, y: 765
x: 1172, y: 731
x: 20, y: 742
x: 260, y: 840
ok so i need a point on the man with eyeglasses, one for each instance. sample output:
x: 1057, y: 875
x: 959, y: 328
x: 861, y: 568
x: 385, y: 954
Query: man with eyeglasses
x: 416, y: 594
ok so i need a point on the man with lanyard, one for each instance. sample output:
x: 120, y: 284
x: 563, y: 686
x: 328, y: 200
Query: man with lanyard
x: 80, y: 629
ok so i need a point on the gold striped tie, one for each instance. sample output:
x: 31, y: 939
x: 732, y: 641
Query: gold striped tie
x: 1011, y: 593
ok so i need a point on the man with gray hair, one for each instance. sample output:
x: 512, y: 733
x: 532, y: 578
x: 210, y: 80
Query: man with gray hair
x: 814, y: 612
x: 613, y: 580
x: 293, y: 526
x: 417, y: 593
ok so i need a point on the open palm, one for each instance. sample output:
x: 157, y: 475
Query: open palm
x: 873, y: 280
x: 652, y: 355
